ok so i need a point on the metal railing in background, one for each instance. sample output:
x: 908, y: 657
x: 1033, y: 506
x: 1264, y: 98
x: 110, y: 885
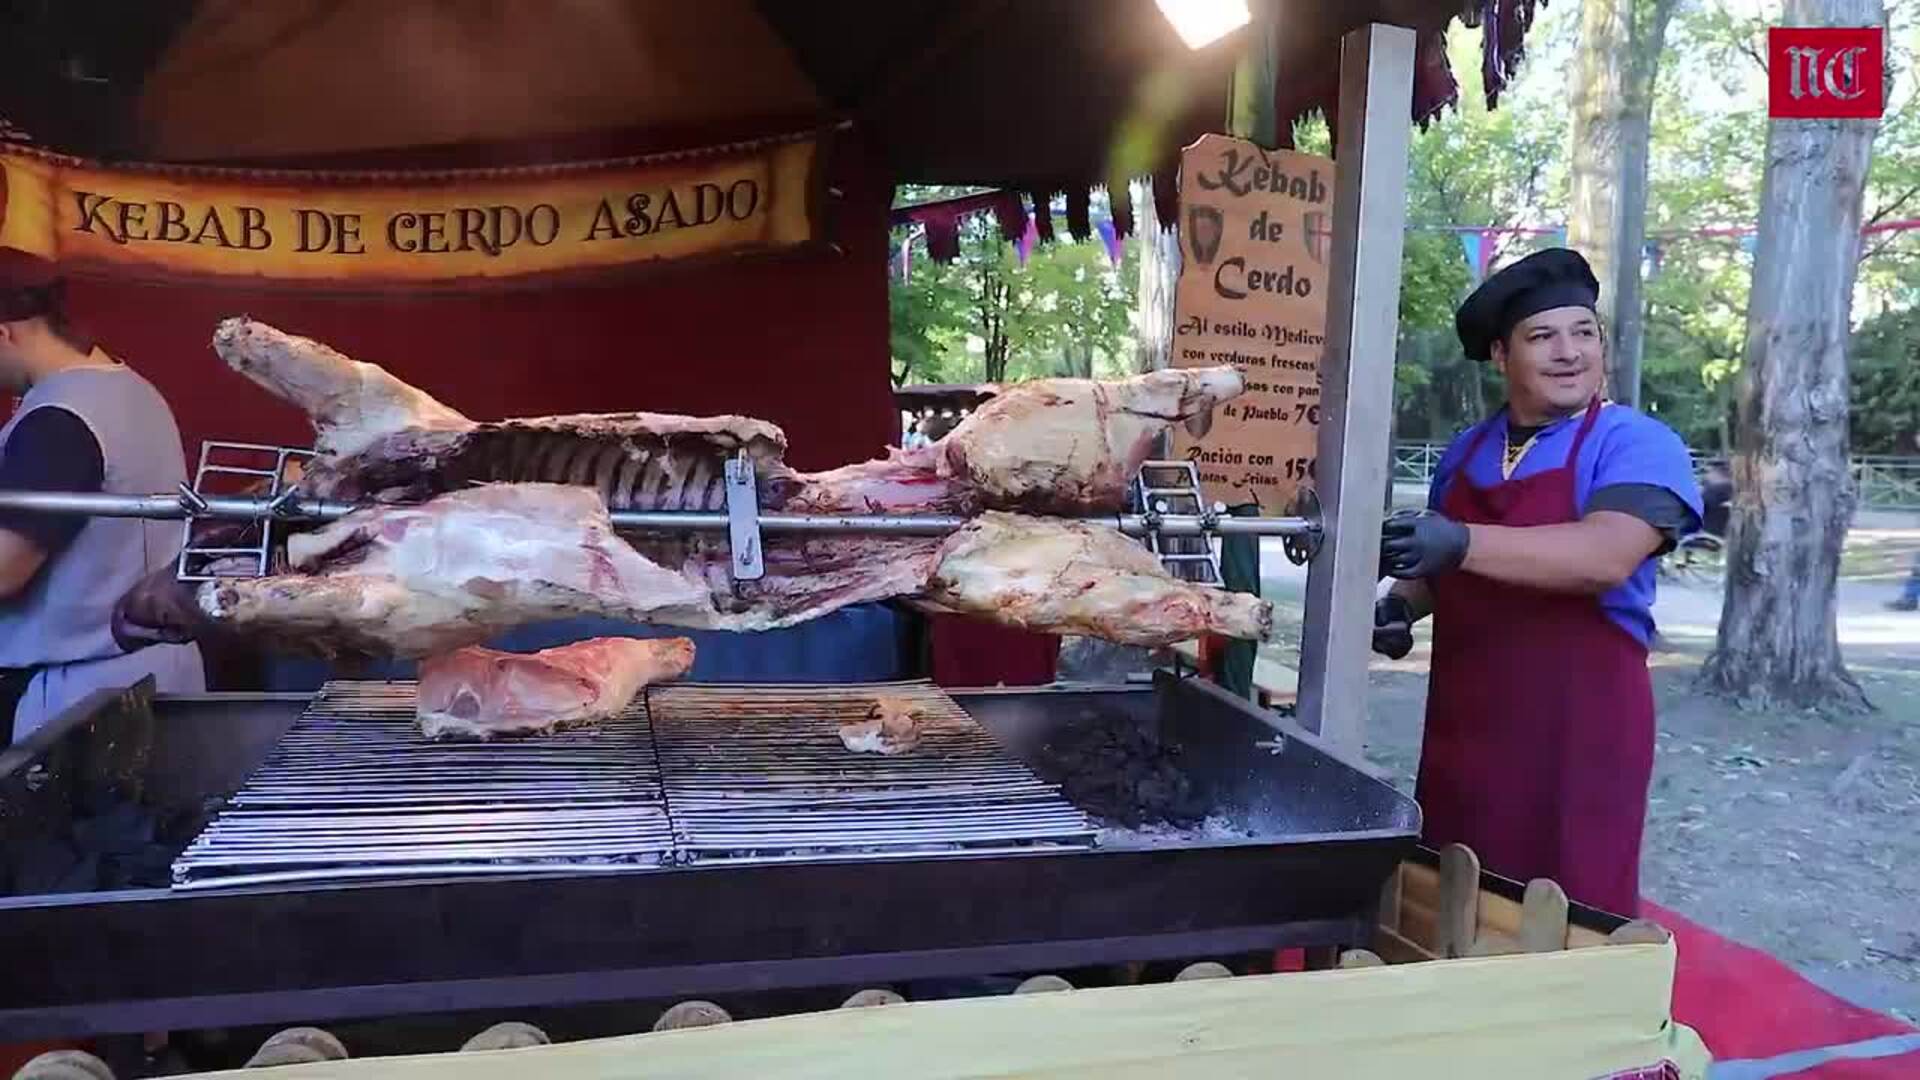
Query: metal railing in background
x: 1414, y: 462
x: 1886, y: 481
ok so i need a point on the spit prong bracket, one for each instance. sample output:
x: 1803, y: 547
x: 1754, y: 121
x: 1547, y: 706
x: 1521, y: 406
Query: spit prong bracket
x: 1302, y: 547
x: 743, y: 520
x: 1164, y: 489
x: 285, y: 505
x: 248, y: 463
x: 192, y: 502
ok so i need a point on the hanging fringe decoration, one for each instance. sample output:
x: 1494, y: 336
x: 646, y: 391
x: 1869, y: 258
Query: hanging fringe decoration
x: 1503, y: 42
x: 1110, y: 236
x: 1434, y: 87
x: 943, y: 233
x: 1023, y: 247
x: 1079, y: 213
x: 1012, y: 215
x: 942, y: 219
x: 1166, y: 196
x: 1120, y: 203
x: 1043, y: 215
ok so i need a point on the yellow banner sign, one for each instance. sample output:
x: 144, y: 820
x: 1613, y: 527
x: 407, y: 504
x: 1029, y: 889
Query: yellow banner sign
x: 440, y: 229
x: 1253, y: 293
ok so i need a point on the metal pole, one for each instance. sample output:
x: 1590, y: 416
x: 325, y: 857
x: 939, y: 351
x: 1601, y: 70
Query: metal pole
x: 1369, y: 212
x: 241, y: 508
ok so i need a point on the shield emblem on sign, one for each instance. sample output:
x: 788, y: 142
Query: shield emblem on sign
x: 1205, y: 226
x: 1318, y: 233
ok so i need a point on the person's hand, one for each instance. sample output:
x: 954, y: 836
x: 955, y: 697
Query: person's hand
x: 158, y: 610
x: 1421, y: 544
x: 1392, y: 627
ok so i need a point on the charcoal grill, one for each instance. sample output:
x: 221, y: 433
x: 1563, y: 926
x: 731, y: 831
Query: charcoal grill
x: 686, y: 775
x: 1297, y: 844
x: 352, y: 791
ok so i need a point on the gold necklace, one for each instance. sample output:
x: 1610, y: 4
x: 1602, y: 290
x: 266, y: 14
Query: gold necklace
x: 1512, y: 455
x: 1510, y: 460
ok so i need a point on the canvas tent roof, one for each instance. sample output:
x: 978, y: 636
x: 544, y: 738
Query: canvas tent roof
x: 1014, y: 93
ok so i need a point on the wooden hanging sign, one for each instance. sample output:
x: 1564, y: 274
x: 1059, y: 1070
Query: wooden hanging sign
x: 1252, y: 293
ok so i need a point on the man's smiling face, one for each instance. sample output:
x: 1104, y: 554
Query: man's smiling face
x: 1553, y: 362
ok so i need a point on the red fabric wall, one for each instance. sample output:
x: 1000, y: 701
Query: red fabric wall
x: 799, y: 340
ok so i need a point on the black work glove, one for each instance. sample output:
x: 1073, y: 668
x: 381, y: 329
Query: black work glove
x: 1421, y: 544
x: 1392, y: 627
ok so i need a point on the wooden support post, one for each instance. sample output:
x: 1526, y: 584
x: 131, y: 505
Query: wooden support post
x: 1369, y: 214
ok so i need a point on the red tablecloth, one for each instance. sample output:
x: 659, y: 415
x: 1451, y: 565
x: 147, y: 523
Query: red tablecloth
x: 1762, y: 1019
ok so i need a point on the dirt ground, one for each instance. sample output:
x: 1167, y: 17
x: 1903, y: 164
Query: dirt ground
x: 1795, y: 833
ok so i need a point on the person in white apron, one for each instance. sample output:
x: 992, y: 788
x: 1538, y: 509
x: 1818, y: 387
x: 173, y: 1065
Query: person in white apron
x: 85, y: 422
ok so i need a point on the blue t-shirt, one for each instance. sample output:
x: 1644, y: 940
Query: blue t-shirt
x: 1624, y: 447
x: 50, y: 449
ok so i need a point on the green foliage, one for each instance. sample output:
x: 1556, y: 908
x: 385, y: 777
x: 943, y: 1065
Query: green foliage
x: 1068, y: 310
x: 986, y: 318
x: 1707, y: 163
x: 1886, y: 394
x: 1471, y: 167
x: 1708, y: 157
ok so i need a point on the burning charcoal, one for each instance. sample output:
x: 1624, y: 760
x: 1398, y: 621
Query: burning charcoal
x: 1126, y: 773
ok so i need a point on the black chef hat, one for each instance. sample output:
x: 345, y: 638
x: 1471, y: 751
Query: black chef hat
x: 1542, y: 281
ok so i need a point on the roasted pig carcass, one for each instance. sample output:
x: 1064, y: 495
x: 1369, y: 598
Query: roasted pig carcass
x: 1054, y: 446
x: 379, y: 438
x: 507, y: 523
x: 418, y: 580
x: 477, y: 693
x: 1065, y: 577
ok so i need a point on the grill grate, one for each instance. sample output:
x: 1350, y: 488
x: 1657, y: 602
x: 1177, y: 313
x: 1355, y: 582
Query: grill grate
x: 695, y: 774
x: 759, y: 774
x: 353, y: 791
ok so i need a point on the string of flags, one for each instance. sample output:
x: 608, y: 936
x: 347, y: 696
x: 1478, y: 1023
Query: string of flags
x: 1027, y: 221
x: 942, y: 227
x: 1480, y: 243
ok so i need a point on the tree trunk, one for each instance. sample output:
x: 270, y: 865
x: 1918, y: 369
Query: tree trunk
x: 1613, y: 76
x: 1159, y: 274
x: 1629, y: 312
x: 994, y: 295
x: 1793, y: 492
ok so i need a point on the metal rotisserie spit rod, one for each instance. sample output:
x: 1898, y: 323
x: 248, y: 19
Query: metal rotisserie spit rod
x: 239, y: 507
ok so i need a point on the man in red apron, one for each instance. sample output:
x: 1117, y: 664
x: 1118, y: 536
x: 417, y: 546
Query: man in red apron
x: 1536, y: 558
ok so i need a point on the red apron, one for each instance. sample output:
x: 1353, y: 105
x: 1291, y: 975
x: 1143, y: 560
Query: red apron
x: 1539, y: 735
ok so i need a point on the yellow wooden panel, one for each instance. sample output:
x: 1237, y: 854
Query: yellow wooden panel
x: 1590, y: 1012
